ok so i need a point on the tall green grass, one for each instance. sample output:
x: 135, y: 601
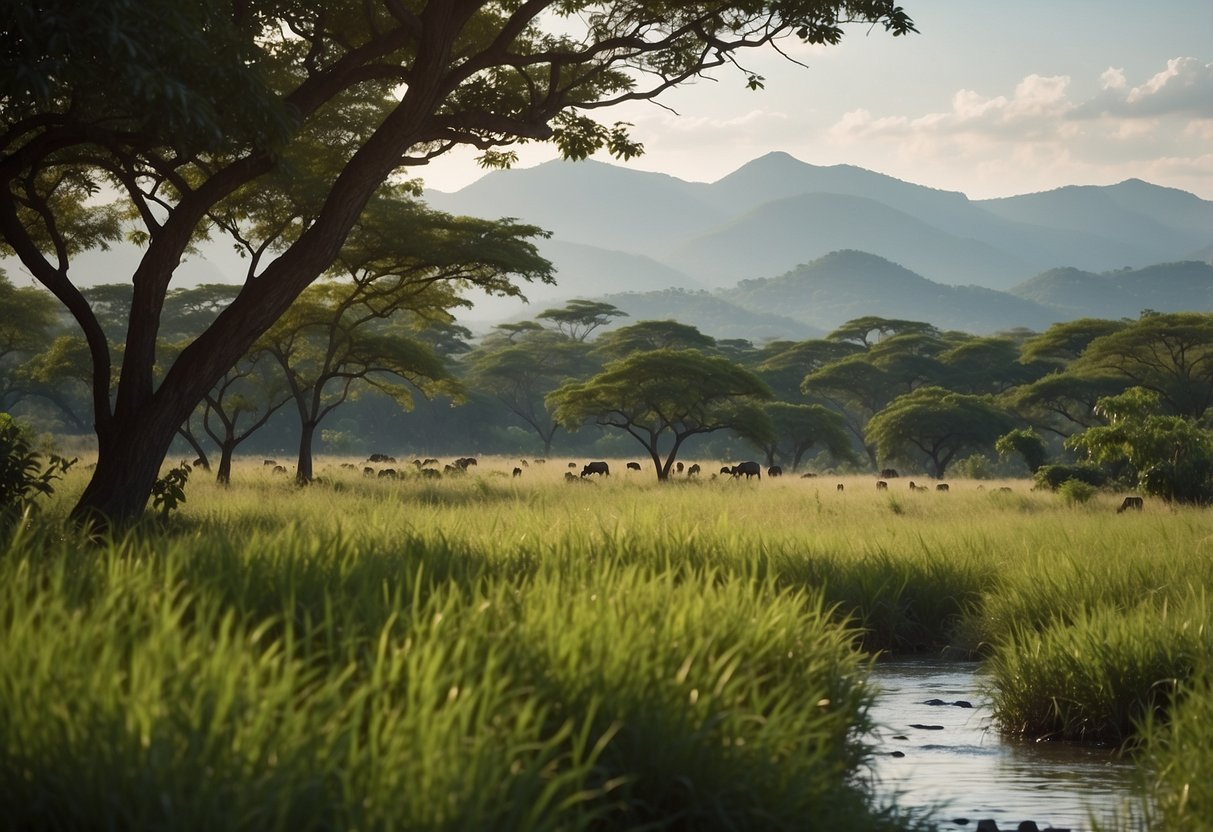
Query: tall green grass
x: 490, y: 652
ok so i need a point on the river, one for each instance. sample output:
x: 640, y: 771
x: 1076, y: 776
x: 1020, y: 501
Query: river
x: 958, y: 763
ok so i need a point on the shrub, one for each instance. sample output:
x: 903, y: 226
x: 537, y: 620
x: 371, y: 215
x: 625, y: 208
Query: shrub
x: 1075, y: 492
x: 23, y: 477
x: 1052, y: 476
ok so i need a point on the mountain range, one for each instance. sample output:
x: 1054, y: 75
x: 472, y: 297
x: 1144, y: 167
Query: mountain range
x: 784, y: 238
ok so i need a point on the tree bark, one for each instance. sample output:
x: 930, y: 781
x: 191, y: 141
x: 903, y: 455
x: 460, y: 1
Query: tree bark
x: 303, y: 469
x: 224, y: 475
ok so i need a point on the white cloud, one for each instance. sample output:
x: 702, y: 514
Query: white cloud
x: 1162, y: 125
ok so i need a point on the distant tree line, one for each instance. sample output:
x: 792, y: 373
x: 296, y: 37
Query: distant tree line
x: 370, y: 359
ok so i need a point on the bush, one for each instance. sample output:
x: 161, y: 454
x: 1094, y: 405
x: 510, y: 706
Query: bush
x: 1075, y: 492
x: 23, y: 477
x: 1052, y: 476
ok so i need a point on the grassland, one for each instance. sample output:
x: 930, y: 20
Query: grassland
x: 526, y: 653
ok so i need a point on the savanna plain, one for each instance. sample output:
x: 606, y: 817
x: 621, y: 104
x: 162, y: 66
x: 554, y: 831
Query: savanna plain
x: 509, y: 653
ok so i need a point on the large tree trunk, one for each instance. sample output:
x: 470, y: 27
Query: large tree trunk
x: 128, y: 465
x: 303, y: 470
x: 224, y: 474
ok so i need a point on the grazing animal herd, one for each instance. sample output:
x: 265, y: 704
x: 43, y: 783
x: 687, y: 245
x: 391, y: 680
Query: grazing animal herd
x: 428, y: 469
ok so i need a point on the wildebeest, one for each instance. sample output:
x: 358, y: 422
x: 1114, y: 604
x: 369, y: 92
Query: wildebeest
x: 633, y: 466
x: 1131, y: 503
x: 726, y: 470
x: 914, y: 487
x: 464, y: 462
x: 775, y: 471
x: 431, y: 474
x: 943, y: 486
x: 889, y: 474
x: 808, y: 476
x: 678, y: 467
x: 269, y: 462
x: 569, y: 476
x: 524, y: 463
x: 840, y: 487
x: 368, y: 471
x: 750, y: 468
x: 1006, y: 489
x: 279, y: 469
x: 430, y: 461
x: 881, y: 485
x: 388, y: 474
x: 596, y: 468
x: 694, y: 470
x: 349, y: 465
x: 540, y: 461
x: 452, y: 469
x: 518, y: 472
x: 572, y: 465
x: 381, y: 458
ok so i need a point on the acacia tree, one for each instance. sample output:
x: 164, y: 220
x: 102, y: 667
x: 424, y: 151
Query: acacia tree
x: 664, y: 397
x: 519, y: 371
x: 939, y: 424
x: 578, y: 318
x: 246, y: 390
x: 95, y: 98
x: 796, y: 428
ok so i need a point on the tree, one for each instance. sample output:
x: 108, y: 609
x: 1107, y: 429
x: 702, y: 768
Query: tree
x: 786, y: 369
x: 988, y: 365
x: 872, y: 329
x: 1063, y: 343
x: 939, y: 424
x: 1062, y: 402
x: 244, y: 96
x: 578, y: 318
x: 796, y: 428
x: 520, y: 373
x: 652, y: 335
x: 1171, y: 455
x: 664, y: 397
x: 1025, y: 442
x: 247, y: 389
x: 1171, y: 355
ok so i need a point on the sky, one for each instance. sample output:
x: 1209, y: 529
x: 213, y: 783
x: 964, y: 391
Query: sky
x: 990, y: 99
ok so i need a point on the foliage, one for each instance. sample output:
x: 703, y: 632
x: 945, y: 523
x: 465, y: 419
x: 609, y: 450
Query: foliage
x: 652, y: 335
x: 168, y: 493
x: 1170, y: 355
x: 1051, y: 477
x: 938, y: 424
x: 578, y: 318
x: 1076, y: 492
x: 23, y: 476
x: 277, y: 124
x: 799, y: 427
x: 1171, y: 455
x: 1025, y: 442
x: 667, y: 396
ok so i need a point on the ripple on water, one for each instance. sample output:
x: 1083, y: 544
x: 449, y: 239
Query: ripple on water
x: 964, y: 767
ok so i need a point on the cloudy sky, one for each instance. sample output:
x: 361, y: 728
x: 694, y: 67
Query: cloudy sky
x: 990, y: 99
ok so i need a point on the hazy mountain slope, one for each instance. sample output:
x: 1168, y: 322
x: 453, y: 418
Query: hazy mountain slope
x: 1167, y: 287
x: 777, y: 235
x: 589, y: 202
x: 1162, y: 223
x: 713, y: 315
x: 848, y: 284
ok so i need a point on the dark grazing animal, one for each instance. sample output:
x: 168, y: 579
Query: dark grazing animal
x: 694, y: 470
x: 596, y: 468
x: 914, y: 487
x: 943, y: 486
x: 633, y: 466
x: 807, y: 476
x: 889, y: 474
x: 749, y: 468
x: 388, y: 474
x: 1135, y: 503
x: 726, y: 470
x: 368, y: 471
x: 518, y: 472
x: 279, y: 469
x: 678, y: 466
x: 775, y: 471
x: 381, y: 458
x: 269, y: 462
x: 840, y: 487
x: 431, y: 474
x: 881, y: 485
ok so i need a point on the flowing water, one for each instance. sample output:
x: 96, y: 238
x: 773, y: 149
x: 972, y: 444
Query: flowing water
x: 956, y: 762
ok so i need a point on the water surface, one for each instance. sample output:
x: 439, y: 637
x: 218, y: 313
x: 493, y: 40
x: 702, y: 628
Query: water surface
x: 957, y: 760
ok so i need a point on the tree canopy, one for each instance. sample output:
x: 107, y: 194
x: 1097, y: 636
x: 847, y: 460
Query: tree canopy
x: 276, y: 123
x: 663, y: 397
